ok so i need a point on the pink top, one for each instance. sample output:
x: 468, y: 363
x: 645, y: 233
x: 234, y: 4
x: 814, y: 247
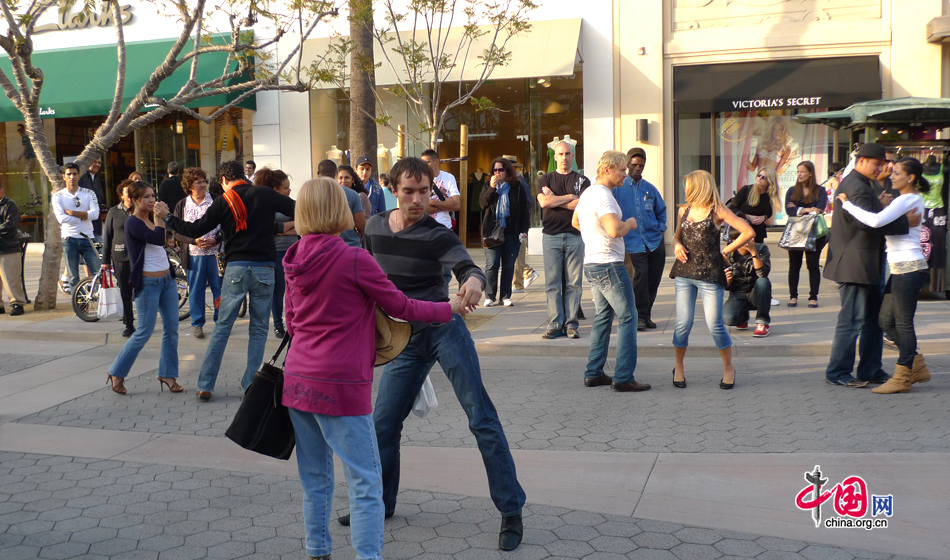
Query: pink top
x: 331, y: 297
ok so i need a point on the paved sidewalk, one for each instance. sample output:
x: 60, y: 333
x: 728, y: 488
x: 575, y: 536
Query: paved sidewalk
x: 670, y: 474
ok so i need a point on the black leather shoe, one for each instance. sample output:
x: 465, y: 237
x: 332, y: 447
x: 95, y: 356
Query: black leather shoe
x: 650, y: 324
x: 678, y: 384
x: 512, y: 529
x: 16, y: 309
x: 641, y: 325
x: 345, y: 519
x: 632, y: 386
x: 129, y: 331
x: 279, y: 331
x: 598, y: 381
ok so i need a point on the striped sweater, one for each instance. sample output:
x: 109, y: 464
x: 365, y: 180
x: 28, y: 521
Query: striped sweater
x: 413, y: 258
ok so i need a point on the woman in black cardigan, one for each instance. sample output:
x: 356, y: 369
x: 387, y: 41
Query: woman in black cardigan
x: 505, y: 202
x: 114, y: 252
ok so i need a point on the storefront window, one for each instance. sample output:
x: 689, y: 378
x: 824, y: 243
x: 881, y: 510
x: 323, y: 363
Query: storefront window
x: 528, y: 118
x: 21, y: 173
x: 734, y: 146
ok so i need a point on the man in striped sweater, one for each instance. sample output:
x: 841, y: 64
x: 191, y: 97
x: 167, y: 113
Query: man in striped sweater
x: 413, y: 248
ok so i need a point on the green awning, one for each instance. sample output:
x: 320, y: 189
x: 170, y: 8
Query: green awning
x: 901, y: 110
x: 81, y: 82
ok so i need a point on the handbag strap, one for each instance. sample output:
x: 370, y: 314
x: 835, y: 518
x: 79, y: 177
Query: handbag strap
x: 283, y: 343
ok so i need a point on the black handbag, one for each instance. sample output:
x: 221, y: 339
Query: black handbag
x: 262, y: 424
x: 496, y: 238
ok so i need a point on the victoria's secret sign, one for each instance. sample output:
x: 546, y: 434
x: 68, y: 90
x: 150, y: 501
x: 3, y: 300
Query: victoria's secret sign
x: 80, y: 21
x: 777, y: 103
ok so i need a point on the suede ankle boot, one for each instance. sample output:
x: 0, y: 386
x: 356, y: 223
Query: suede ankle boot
x: 920, y: 373
x: 900, y: 383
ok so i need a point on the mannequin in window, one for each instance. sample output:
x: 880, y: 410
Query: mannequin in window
x: 934, y: 224
x: 335, y: 155
x: 476, y: 181
x: 229, y: 140
x: 382, y: 160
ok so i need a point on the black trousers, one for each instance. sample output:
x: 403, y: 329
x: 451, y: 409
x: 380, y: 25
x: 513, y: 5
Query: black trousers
x: 122, y: 271
x: 646, y: 269
x: 812, y: 261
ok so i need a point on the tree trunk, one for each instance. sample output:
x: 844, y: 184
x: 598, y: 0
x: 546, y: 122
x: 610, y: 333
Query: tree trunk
x: 362, y: 83
x: 53, y: 245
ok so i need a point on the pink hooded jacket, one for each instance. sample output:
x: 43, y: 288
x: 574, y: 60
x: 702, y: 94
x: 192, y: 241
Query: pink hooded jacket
x: 331, y: 297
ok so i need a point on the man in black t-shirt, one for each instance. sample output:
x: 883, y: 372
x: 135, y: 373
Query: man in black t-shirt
x: 170, y: 191
x: 561, y: 242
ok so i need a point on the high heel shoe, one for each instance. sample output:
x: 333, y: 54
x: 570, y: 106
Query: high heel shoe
x: 117, y: 384
x: 171, y: 383
x: 725, y: 386
x: 678, y: 384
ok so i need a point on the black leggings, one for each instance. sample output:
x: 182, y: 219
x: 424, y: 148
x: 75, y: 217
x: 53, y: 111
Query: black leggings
x: 812, y: 261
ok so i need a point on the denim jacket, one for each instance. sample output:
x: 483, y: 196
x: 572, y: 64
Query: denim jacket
x: 641, y: 200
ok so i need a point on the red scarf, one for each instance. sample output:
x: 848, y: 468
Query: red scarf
x: 237, y: 207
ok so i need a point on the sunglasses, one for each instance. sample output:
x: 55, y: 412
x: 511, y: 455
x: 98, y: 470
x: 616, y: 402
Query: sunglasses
x: 77, y: 201
x: 499, y: 170
x: 761, y: 176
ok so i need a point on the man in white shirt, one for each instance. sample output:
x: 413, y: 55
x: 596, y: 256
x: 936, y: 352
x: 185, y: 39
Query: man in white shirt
x: 597, y: 216
x: 76, y: 209
x: 444, y: 198
x: 447, y: 199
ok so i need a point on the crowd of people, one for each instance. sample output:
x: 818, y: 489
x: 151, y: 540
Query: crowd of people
x: 321, y: 265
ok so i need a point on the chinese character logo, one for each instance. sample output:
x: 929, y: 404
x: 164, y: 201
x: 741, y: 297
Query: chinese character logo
x: 849, y: 498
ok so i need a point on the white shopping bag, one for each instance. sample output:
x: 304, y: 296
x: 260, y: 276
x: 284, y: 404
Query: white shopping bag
x: 110, y: 300
x: 425, y: 400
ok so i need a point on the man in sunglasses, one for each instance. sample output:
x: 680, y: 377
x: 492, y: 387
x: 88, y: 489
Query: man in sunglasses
x: 76, y: 208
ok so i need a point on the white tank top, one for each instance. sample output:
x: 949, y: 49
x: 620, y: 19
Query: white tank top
x: 155, y: 258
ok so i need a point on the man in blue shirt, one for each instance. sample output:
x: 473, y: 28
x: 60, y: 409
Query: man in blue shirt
x: 644, y: 247
x: 377, y: 200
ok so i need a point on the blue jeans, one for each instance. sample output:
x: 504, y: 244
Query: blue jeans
x: 158, y: 296
x: 75, y: 248
x: 613, y: 295
x: 898, y: 310
x: 202, y: 273
x: 858, y: 317
x: 258, y: 281
x: 737, y: 307
x: 277, y: 307
x: 505, y: 254
x: 712, y: 295
x: 450, y: 345
x: 352, y: 438
x: 563, y: 269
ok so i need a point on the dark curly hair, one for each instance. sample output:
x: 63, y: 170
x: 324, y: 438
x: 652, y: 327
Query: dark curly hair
x: 231, y: 170
x: 190, y: 175
x: 267, y: 177
x: 357, y: 184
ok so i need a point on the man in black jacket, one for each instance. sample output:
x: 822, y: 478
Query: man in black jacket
x: 92, y: 180
x: 749, y: 286
x: 10, y: 263
x: 250, y: 254
x: 170, y: 191
x: 855, y: 254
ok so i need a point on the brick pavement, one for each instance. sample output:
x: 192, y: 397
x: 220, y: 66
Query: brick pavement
x: 780, y: 408
x: 63, y: 507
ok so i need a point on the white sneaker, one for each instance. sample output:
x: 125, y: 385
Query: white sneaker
x: 517, y: 290
x: 507, y: 302
x: 530, y: 280
x: 775, y: 301
x: 488, y: 303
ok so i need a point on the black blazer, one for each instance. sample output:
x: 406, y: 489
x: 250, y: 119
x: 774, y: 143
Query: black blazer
x: 855, y: 250
x: 518, y: 208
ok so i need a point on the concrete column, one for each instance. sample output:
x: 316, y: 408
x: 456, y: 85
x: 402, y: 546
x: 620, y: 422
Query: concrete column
x: 597, y: 48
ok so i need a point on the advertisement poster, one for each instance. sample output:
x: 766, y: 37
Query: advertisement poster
x: 753, y: 140
x: 229, y: 137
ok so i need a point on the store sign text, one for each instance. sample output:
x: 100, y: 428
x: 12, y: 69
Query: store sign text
x: 79, y: 21
x: 777, y: 103
x: 47, y: 112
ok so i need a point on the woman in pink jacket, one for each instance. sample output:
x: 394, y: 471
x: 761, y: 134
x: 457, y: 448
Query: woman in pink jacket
x: 331, y: 297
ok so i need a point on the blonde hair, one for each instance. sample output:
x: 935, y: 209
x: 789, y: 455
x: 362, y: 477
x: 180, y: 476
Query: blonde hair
x: 770, y: 143
x: 322, y: 208
x: 611, y: 160
x: 772, y: 177
x: 701, y: 190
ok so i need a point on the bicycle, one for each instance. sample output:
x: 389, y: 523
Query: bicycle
x: 85, y: 297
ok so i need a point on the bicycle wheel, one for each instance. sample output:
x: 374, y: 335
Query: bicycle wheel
x: 86, y: 299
